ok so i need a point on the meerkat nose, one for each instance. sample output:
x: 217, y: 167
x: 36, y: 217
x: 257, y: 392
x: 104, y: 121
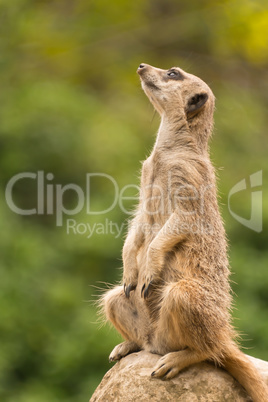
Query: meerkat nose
x: 141, y: 68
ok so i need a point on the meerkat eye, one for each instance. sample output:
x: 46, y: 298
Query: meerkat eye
x: 172, y: 73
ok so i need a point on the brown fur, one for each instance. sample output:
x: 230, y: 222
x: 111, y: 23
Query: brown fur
x: 175, y: 299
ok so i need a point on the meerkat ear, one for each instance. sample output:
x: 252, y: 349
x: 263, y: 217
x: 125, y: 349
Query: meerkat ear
x: 195, y: 104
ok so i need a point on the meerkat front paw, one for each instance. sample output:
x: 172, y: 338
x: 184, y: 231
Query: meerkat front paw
x: 130, y: 280
x: 152, y: 273
x: 122, y: 350
x: 149, y: 279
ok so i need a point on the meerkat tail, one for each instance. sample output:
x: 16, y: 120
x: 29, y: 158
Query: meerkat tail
x: 241, y: 368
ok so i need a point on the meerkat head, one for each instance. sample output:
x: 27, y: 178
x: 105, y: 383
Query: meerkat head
x: 174, y: 91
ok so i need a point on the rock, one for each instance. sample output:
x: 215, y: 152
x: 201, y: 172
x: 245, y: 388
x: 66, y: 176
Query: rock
x: 130, y: 381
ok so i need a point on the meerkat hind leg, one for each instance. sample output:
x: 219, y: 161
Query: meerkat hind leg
x: 172, y: 363
x: 123, y: 349
x: 121, y: 312
x: 129, y: 321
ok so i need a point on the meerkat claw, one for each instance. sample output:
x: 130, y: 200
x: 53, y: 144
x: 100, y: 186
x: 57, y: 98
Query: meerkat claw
x: 142, y: 289
x: 128, y: 289
x: 166, y: 374
x: 145, y: 290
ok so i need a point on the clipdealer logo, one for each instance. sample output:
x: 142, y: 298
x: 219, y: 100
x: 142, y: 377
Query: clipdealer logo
x: 50, y: 197
x: 50, y: 200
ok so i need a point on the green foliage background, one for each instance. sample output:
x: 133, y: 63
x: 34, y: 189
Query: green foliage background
x: 71, y: 104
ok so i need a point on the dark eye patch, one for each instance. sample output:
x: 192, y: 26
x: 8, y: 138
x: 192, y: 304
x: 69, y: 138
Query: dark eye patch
x: 174, y: 74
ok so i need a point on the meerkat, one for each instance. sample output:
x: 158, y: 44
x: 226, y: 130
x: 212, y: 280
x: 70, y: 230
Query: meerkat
x: 175, y: 299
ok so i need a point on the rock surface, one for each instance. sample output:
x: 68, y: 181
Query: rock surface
x: 130, y: 381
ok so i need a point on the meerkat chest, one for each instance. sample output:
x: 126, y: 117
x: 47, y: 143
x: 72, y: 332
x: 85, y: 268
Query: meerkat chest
x: 154, y: 189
